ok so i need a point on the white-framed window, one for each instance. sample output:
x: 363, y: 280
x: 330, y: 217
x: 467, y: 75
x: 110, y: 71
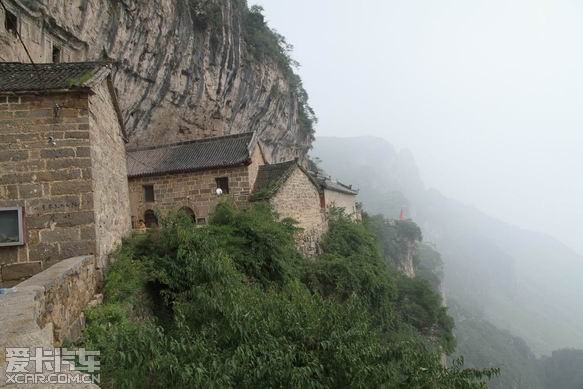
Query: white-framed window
x: 11, y: 227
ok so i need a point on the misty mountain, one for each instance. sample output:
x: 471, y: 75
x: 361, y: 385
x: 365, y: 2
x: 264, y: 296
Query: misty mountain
x: 524, y: 282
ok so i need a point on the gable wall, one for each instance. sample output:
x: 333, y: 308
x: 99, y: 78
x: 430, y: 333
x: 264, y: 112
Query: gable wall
x: 299, y: 199
x: 342, y: 200
x: 257, y: 159
x: 109, y: 174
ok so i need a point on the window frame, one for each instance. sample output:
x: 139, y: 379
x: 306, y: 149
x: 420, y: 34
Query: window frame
x: 225, y: 179
x: 21, y: 240
x: 145, y: 188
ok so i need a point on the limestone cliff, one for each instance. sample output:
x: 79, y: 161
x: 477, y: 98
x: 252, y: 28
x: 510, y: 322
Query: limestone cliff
x: 405, y: 262
x: 186, y: 68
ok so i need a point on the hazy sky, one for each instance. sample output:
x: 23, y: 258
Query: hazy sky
x: 488, y: 94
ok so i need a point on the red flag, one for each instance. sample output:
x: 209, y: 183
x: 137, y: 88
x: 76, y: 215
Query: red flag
x: 402, y: 215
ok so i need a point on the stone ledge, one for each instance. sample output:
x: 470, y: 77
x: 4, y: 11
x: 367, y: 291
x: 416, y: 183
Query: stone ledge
x: 67, y: 287
x: 47, y: 308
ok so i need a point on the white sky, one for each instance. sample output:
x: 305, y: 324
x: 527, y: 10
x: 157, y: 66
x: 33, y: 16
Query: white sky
x: 488, y: 94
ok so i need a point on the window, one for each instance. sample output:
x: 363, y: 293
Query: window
x: 150, y: 219
x: 223, y: 183
x: 11, y: 22
x: 11, y: 230
x: 201, y: 221
x: 149, y: 194
x: 56, y: 54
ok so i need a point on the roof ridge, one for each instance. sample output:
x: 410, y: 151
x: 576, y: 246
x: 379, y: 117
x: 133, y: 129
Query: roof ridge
x: 189, y: 142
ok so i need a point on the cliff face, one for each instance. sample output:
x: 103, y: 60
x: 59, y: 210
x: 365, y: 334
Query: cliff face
x: 405, y: 264
x: 185, y: 68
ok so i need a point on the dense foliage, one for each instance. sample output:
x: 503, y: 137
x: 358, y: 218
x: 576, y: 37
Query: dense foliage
x: 235, y: 305
x: 396, y: 240
x: 429, y: 265
x: 394, y: 237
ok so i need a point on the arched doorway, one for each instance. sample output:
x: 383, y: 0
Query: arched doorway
x: 150, y: 219
x: 189, y: 212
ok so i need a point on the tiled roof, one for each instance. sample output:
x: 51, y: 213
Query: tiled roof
x: 335, y: 186
x: 19, y: 77
x: 202, y: 154
x: 270, y: 178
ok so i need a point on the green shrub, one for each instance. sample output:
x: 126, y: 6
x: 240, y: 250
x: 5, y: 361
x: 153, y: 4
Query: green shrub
x: 263, y: 248
x: 280, y: 322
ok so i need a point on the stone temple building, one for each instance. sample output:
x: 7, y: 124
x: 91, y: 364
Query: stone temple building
x: 63, y: 178
x: 294, y: 193
x: 336, y: 194
x: 186, y: 176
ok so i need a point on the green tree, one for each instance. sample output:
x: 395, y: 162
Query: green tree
x: 185, y: 307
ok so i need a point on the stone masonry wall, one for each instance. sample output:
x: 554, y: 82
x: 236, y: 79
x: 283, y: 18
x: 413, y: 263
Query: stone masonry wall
x: 193, y: 190
x: 341, y: 200
x: 257, y: 159
x: 299, y: 199
x: 111, y: 200
x: 52, y: 182
x: 47, y: 308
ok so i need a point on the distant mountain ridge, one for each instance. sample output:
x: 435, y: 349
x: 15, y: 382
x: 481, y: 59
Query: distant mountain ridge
x: 525, y: 282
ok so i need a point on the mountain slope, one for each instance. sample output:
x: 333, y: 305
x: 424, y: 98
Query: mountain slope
x: 524, y: 282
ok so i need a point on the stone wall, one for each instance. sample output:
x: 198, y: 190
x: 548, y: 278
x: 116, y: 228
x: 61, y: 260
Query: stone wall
x: 111, y: 200
x: 342, y: 200
x: 62, y: 159
x: 51, y: 181
x: 47, y: 308
x: 257, y: 159
x: 299, y: 199
x: 194, y: 190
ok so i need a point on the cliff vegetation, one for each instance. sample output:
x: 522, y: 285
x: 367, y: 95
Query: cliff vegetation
x: 234, y: 304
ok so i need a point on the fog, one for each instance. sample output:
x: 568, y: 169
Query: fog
x: 486, y: 94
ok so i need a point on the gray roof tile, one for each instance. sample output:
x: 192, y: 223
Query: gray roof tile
x: 201, y: 154
x: 335, y: 186
x: 270, y: 179
x: 19, y: 77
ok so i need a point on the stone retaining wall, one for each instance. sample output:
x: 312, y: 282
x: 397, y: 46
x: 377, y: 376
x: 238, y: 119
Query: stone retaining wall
x: 47, y: 308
